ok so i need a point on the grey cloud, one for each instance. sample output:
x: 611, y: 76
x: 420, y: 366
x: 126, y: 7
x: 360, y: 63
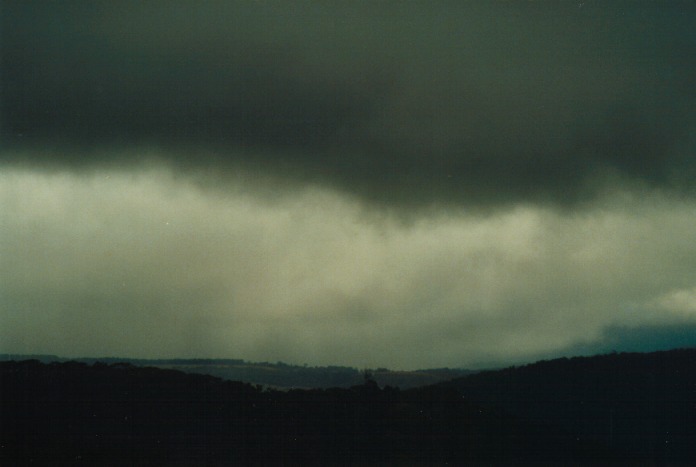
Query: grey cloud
x: 143, y: 262
x: 407, y: 103
x: 647, y: 338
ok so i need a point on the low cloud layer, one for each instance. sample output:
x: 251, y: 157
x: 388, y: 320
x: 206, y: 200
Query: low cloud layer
x: 400, y: 103
x: 144, y: 262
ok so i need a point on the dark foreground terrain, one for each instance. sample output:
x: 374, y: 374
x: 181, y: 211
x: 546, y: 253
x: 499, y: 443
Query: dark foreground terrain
x: 548, y: 413
x: 642, y: 405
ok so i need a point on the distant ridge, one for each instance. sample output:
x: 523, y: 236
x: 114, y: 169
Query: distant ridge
x: 278, y: 375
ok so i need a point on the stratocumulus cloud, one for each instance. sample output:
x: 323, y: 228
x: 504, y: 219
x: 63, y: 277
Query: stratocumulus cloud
x: 124, y: 262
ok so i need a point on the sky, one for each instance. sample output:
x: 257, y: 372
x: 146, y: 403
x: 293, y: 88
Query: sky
x: 401, y: 184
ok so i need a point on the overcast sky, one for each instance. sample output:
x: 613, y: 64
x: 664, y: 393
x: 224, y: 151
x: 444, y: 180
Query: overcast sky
x: 405, y: 184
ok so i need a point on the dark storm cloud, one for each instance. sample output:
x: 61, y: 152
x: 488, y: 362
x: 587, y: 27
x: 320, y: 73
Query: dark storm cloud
x: 394, y: 101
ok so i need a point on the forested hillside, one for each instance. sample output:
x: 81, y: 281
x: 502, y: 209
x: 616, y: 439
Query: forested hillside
x: 619, y: 408
x: 119, y: 414
x: 642, y: 405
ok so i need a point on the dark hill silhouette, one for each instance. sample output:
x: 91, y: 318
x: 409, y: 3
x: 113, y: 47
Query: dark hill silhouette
x: 78, y: 414
x: 640, y: 404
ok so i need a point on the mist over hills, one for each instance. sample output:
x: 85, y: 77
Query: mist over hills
x: 611, y: 409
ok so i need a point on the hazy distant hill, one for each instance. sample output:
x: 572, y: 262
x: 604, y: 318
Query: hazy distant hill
x: 643, y: 404
x: 278, y: 375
